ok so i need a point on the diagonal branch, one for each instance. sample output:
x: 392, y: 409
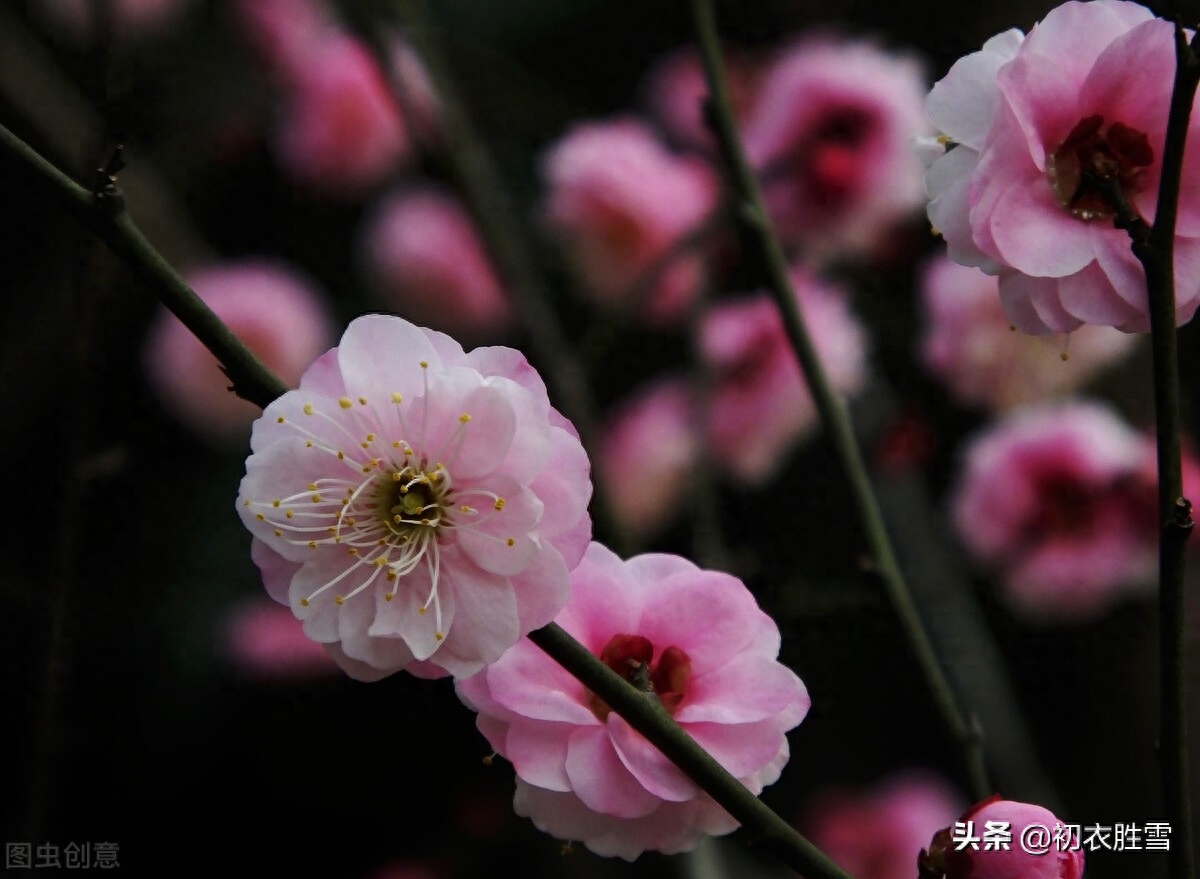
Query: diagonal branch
x: 833, y: 412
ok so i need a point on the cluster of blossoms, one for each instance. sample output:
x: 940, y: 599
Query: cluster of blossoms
x: 421, y: 507
x: 828, y: 123
x: 1042, y: 133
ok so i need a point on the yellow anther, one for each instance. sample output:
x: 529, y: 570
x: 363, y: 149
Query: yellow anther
x: 312, y: 486
x: 438, y: 636
x: 308, y: 408
x: 275, y: 503
x: 370, y: 437
x: 366, y: 468
x: 396, y: 444
x: 362, y: 401
x: 943, y: 139
x: 345, y: 402
x: 260, y: 517
x: 392, y: 575
x: 421, y: 611
x: 246, y: 502
x: 316, y: 498
x: 339, y: 599
x: 464, y: 508
x: 424, y: 364
x: 280, y: 420
x: 389, y: 596
x: 499, y: 504
x: 352, y: 551
x: 312, y: 544
x: 464, y: 418
x: 304, y: 602
x: 278, y: 533
x: 365, y: 445
x: 511, y: 541
x: 1065, y: 356
x: 396, y: 398
x: 289, y: 514
x: 308, y: 445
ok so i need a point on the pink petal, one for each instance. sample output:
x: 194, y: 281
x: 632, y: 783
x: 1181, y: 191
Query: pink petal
x: 747, y: 689
x: 600, y: 779
x: 653, y: 771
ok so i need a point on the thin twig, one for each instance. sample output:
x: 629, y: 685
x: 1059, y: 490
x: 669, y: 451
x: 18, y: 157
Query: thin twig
x: 764, y: 827
x: 111, y: 223
x: 833, y: 413
x: 1154, y: 247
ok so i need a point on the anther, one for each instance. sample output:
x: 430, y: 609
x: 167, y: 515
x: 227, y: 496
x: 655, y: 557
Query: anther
x: 345, y: 402
x: 308, y: 408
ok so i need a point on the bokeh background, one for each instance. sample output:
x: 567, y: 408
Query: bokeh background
x: 130, y: 718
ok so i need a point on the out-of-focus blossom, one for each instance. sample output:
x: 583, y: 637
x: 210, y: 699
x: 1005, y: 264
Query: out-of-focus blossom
x: 879, y: 834
x: 1043, y: 124
x: 620, y: 203
x: 428, y: 263
x: 831, y: 135
x: 283, y: 32
x: 647, y: 453
x: 675, y: 90
x: 267, y: 642
x: 342, y: 131
x: 696, y: 638
x: 274, y: 309
x: 970, y: 345
x: 950, y: 857
x: 414, y: 504
x: 130, y: 19
x: 759, y: 406
x: 1055, y: 497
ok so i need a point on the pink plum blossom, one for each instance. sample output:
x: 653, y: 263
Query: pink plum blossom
x: 275, y: 309
x: 620, y: 202
x: 1040, y: 125
x: 647, y: 453
x: 970, y: 345
x: 879, y: 833
x: 1054, y: 496
x: 759, y: 406
x: 427, y: 261
x: 267, y: 642
x: 696, y: 638
x: 949, y: 858
x: 414, y: 504
x: 831, y: 135
x: 675, y: 90
x: 342, y: 131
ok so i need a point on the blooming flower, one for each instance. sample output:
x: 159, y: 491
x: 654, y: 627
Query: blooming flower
x: 415, y: 504
x: 1055, y: 496
x: 759, y: 406
x: 831, y: 134
x: 878, y: 834
x: 273, y: 308
x: 696, y: 638
x: 428, y: 262
x: 947, y: 858
x: 1043, y: 127
x: 647, y: 454
x: 970, y: 345
x: 620, y: 202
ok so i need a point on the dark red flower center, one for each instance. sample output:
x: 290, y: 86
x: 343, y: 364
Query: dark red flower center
x: 632, y: 657
x: 832, y: 160
x: 1094, y: 165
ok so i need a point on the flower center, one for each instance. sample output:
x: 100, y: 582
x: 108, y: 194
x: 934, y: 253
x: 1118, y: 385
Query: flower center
x: 1092, y: 168
x: 387, y: 509
x: 631, y: 656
